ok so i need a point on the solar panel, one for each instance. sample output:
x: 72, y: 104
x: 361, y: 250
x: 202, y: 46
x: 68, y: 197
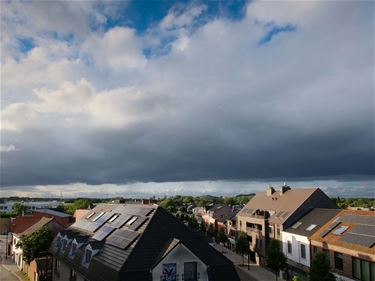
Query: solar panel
x: 138, y: 223
x: 363, y: 240
x: 359, y: 219
x: 121, y: 220
x: 340, y: 230
x: 122, y: 238
x: 329, y: 228
x: 364, y: 230
x: 103, y: 232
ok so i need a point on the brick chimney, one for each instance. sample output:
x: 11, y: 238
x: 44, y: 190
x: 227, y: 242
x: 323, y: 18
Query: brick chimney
x: 284, y: 188
x: 270, y: 190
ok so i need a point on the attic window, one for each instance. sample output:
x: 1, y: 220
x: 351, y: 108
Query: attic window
x: 296, y: 225
x: 131, y: 221
x: 340, y: 230
x: 73, y: 249
x: 311, y: 227
x: 90, y: 215
x: 98, y: 216
x: 88, y: 255
x: 113, y: 218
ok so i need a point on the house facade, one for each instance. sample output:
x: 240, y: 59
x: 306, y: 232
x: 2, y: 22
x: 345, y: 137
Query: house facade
x: 348, y: 240
x: 135, y: 242
x: 268, y: 213
x: 296, y: 240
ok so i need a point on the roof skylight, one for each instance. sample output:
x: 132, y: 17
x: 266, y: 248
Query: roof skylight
x: 311, y: 227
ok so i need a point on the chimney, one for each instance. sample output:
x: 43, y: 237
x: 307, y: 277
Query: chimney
x: 284, y: 188
x: 270, y: 190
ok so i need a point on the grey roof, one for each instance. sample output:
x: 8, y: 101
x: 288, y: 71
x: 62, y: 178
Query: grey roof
x: 130, y: 251
x: 317, y: 217
x: 281, y: 206
x: 53, y: 212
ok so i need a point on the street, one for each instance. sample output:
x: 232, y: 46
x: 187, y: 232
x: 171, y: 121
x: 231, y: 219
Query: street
x: 5, y: 275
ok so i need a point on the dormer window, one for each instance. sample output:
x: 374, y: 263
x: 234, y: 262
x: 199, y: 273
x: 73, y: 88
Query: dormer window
x: 73, y: 250
x: 64, y: 243
x: 88, y: 255
x: 98, y: 216
x: 58, y: 242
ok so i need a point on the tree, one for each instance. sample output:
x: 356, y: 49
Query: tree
x: 221, y: 237
x: 319, y: 270
x: 35, y: 243
x: 296, y: 278
x: 275, y: 259
x: 202, y: 226
x: 242, y: 245
x: 19, y: 209
x: 212, y: 230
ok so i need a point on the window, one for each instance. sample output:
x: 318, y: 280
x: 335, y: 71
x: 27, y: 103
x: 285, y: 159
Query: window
x: 88, y: 255
x: 130, y: 222
x: 190, y: 271
x: 73, y: 250
x: 340, y: 230
x: 278, y: 232
x: 98, y: 216
x: 363, y: 270
x: 64, y: 242
x: 169, y: 272
x: 311, y: 227
x: 303, y: 251
x: 326, y: 252
x: 296, y: 225
x: 314, y: 249
x: 57, y: 266
x: 113, y: 218
x: 289, y: 247
x: 339, y: 261
x: 90, y: 215
x: 240, y: 223
x: 73, y: 275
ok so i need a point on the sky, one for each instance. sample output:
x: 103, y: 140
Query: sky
x: 141, y: 98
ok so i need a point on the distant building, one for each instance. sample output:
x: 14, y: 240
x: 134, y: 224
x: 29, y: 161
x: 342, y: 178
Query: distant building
x: 21, y: 223
x: 296, y: 240
x: 7, y: 207
x: 215, y: 215
x: 270, y: 212
x: 80, y: 213
x: 348, y: 240
x: 135, y: 242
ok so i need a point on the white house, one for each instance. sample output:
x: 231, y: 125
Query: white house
x: 296, y: 240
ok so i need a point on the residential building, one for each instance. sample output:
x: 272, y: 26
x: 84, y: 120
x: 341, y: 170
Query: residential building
x: 215, y: 215
x: 348, y: 240
x: 17, y: 252
x: 270, y: 212
x: 296, y: 240
x: 21, y: 223
x: 135, y: 242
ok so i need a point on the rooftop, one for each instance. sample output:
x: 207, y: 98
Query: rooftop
x: 312, y: 221
x: 132, y: 238
x: 279, y: 204
x: 349, y: 229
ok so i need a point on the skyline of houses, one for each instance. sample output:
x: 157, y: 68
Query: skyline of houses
x: 305, y: 221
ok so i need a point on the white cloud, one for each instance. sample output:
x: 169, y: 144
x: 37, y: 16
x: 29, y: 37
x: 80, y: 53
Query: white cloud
x: 7, y: 148
x: 217, y: 105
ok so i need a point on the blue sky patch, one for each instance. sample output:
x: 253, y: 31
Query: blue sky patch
x: 275, y: 30
x: 25, y: 44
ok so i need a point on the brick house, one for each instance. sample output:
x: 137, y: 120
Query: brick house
x: 348, y: 240
x: 268, y: 213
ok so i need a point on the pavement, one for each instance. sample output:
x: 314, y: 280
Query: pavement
x: 253, y: 273
x: 8, y: 270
